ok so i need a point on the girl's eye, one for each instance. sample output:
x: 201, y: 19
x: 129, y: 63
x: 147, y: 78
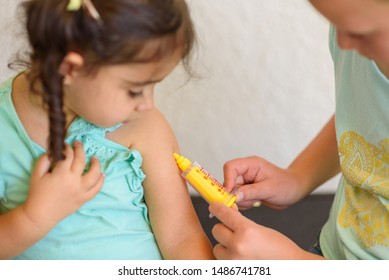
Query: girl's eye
x: 135, y: 93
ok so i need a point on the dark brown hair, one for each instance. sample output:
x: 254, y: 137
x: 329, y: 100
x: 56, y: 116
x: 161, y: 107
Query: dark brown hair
x: 129, y: 31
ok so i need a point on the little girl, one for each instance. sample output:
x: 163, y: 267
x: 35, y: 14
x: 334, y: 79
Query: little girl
x: 94, y: 66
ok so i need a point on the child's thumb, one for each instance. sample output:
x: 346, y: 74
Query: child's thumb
x: 42, y: 166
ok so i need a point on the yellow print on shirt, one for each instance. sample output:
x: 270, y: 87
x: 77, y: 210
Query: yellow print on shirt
x: 365, y: 168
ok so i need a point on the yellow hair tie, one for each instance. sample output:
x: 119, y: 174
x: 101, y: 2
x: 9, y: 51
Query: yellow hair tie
x: 74, y: 5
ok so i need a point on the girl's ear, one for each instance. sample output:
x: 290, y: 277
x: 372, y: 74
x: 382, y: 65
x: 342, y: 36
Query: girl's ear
x: 70, y: 66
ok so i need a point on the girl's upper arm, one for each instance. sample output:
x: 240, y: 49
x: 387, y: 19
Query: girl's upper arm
x: 172, y: 216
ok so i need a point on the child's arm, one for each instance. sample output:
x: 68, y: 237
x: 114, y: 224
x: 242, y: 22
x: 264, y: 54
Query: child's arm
x: 241, y: 238
x: 52, y: 196
x: 177, y: 229
x: 278, y: 188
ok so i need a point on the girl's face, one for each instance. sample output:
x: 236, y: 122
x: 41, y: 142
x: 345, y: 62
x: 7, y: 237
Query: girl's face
x: 117, y: 93
x: 362, y: 25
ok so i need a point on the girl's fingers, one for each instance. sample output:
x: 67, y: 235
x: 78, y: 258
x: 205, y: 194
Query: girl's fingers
x: 93, y: 175
x: 67, y: 162
x: 229, y: 217
x: 222, y: 234
x: 42, y: 166
x: 231, y: 174
x: 247, y: 204
x: 79, y: 160
x: 95, y: 188
x: 220, y: 252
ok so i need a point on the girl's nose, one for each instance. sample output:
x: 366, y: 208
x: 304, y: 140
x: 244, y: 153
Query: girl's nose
x: 146, y: 103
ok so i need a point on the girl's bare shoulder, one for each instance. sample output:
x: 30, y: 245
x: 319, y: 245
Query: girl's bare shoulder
x: 149, y: 129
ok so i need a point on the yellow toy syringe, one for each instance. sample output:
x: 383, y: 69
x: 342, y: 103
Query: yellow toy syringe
x: 207, y: 186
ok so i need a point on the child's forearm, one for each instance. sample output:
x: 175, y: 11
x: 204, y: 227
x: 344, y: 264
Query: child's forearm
x: 192, y: 248
x: 18, y: 232
x: 319, y: 161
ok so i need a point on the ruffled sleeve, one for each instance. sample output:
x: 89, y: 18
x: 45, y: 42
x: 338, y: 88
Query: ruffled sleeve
x: 108, y: 153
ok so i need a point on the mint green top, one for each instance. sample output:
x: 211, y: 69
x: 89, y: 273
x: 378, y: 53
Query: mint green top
x: 113, y: 225
x: 358, y: 226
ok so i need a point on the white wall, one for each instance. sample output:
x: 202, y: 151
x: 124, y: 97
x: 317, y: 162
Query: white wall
x: 266, y: 85
x: 10, y: 37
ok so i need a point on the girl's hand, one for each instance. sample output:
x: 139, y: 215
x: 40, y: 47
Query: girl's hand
x: 241, y: 238
x: 55, y: 195
x: 259, y: 181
